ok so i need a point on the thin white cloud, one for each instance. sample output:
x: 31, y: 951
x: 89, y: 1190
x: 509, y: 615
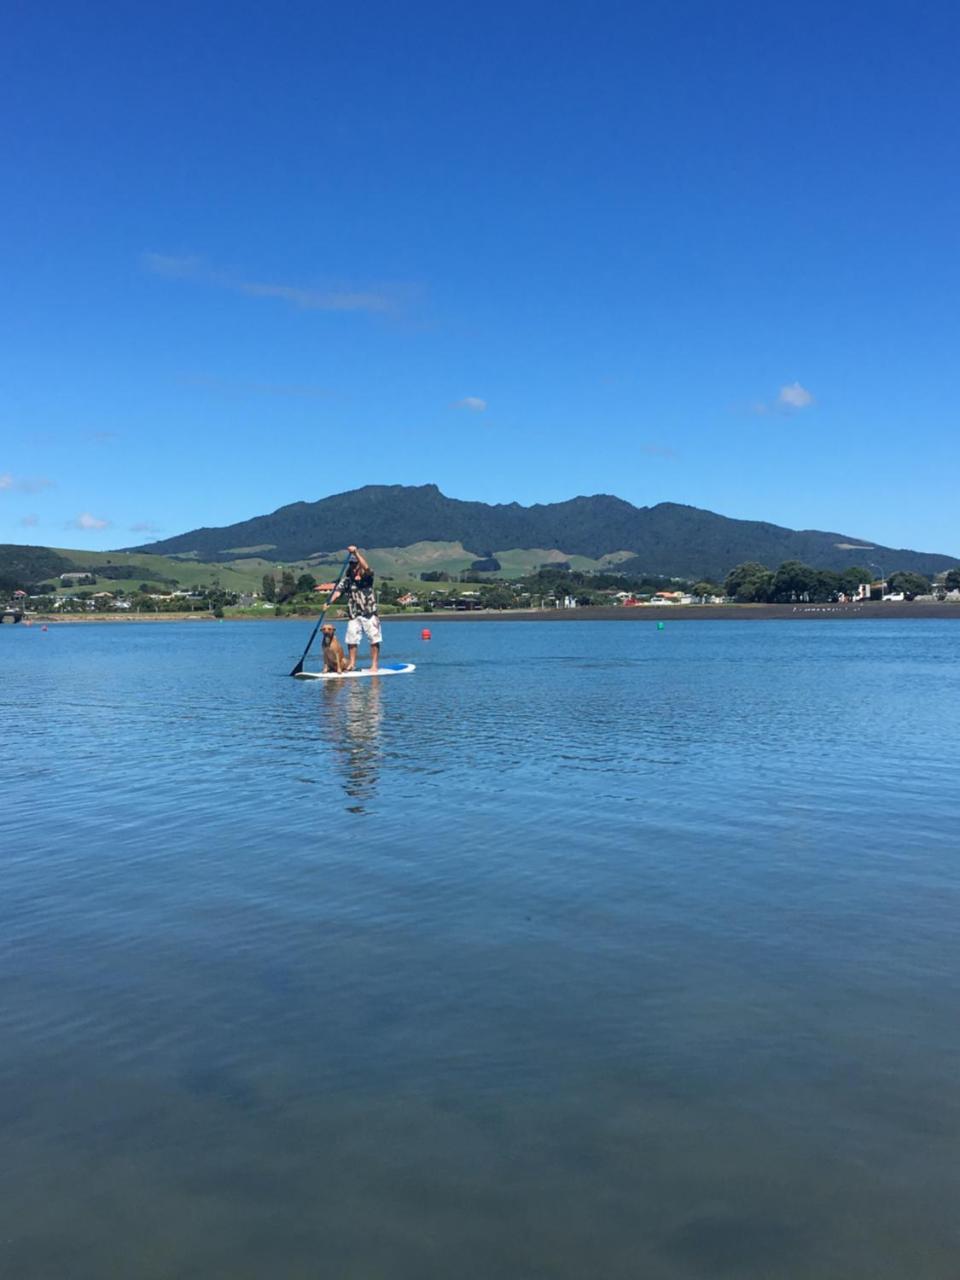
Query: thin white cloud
x: 790, y: 398
x: 88, y: 522
x: 793, y: 396
x: 304, y: 298
x: 163, y: 264
x: 23, y: 484
x: 144, y: 526
x: 29, y: 522
x: 653, y: 450
x: 473, y: 403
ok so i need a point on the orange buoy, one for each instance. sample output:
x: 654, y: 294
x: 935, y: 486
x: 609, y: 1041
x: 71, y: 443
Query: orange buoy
x: 425, y: 634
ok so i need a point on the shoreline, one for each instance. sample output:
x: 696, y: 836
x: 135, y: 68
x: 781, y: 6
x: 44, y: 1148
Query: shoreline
x: 700, y: 613
x: 649, y: 613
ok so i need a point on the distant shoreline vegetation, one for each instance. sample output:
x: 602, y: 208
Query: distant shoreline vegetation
x: 284, y: 592
x: 794, y: 582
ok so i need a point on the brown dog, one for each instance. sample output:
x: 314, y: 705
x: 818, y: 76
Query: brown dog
x: 334, y: 659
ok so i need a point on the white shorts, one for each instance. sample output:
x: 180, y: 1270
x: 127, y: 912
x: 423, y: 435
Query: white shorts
x: 369, y: 626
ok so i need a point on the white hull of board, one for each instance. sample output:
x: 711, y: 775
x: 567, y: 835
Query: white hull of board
x: 386, y: 669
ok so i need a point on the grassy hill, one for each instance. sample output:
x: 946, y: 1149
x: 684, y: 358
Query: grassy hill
x: 125, y: 570
x: 407, y: 563
x: 121, y: 570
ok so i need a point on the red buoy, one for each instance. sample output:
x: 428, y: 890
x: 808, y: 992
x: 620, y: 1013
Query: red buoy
x: 425, y: 634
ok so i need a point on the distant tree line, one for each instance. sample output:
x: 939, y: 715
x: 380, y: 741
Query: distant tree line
x: 794, y: 581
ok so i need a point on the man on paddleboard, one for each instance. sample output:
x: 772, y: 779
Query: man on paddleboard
x: 361, y: 601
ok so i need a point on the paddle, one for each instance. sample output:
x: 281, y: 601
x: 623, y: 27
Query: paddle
x: 313, y: 635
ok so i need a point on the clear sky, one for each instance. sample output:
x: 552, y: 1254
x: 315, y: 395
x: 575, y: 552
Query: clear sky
x: 668, y: 249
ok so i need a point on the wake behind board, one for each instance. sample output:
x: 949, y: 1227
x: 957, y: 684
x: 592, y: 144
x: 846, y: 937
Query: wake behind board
x: 386, y: 669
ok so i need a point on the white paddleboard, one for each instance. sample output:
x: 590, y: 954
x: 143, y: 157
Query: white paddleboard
x: 386, y: 669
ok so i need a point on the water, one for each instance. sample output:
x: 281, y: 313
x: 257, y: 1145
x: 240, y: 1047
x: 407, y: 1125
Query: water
x: 587, y: 951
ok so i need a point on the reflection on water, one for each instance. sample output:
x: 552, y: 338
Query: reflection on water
x: 642, y: 960
x: 351, y: 713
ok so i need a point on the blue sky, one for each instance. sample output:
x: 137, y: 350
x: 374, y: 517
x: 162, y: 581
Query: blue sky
x: 676, y: 251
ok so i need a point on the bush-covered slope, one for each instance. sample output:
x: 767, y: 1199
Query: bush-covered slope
x: 668, y: 538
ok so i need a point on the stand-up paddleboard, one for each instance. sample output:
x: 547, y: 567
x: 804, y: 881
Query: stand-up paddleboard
x: 386, y: 669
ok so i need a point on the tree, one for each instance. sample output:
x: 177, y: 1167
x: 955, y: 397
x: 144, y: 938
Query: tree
x: 827, y: 586
x: 705, y: 589
x: 498, y: 597
x: 952, y: 580
x: 793, y: 581
x: 306, y: 584
x: 911, y: 584
x: 269, y: 587
x: 287, y: 587
x: 749, y: 582
x: 851, y: 579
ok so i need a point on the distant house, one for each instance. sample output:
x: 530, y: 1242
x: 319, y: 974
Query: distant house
x: 407, y: 598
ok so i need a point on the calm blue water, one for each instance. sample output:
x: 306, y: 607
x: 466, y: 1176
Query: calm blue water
x: 586, y: 951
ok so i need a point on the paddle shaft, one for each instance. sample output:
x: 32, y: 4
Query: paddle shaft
x: 313, y: 635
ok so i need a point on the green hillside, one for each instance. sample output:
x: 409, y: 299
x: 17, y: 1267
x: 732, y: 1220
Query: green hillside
x: 124, y: 570
x: 407, y: 563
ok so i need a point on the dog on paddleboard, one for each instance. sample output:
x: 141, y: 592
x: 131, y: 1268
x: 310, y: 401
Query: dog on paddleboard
x: 334, y: 659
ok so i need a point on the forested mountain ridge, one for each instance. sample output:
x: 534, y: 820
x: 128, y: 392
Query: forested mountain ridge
x: 668, y: 538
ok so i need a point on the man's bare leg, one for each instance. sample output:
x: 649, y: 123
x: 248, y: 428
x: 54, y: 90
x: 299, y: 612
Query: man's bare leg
x: 351, y: 657
x: 374, y: 657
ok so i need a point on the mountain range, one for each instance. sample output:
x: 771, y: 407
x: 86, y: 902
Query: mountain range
x: 668, y: 538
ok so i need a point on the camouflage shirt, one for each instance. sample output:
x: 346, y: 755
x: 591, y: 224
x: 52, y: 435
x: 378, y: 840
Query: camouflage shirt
x: 359, y: 595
